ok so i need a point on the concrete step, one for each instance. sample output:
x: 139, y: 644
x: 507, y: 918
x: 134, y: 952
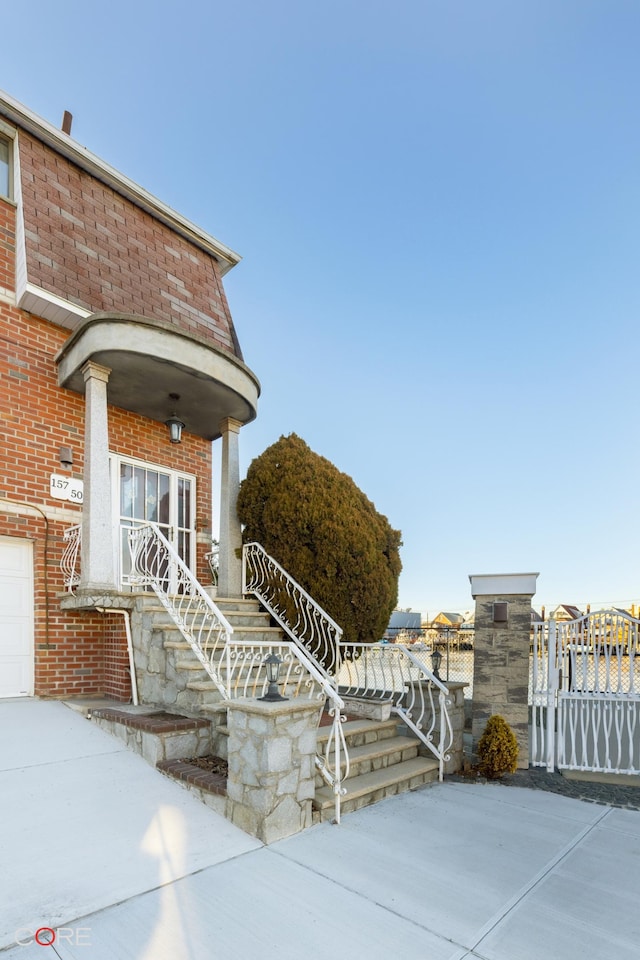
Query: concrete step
x: 371, y: 787
x: 377, y: 755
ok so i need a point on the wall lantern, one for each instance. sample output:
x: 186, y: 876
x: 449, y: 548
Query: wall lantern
x: 272, y: 666
x: 176, y: 427
x: 436, y: 660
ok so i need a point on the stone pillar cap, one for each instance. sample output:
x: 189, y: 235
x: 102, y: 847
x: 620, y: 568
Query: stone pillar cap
x: 502, y: 584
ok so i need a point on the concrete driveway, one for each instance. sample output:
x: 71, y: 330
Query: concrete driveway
x: 129, y: 865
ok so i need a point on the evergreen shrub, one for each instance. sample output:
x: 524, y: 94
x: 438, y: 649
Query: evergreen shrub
x: 326, y: 533
x: 497, y: 749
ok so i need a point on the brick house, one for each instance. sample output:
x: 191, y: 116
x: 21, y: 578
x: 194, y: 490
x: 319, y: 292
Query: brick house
x: 115, y: 330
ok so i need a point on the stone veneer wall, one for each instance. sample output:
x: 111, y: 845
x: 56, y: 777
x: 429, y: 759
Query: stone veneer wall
x: 271, y: 781
x: 501, y: 668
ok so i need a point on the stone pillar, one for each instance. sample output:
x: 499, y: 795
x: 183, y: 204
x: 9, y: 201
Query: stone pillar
x: 230, y: 559
x: 98, y: 573
x: 501, y: 654
x: 271, y: 782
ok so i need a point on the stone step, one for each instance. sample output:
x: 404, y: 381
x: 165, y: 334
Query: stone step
x: 368, y: 788
x: 377, y: 755
x: 209, y: 788
x: 253, y: 618
x: 176, y: 645
x: 220, y: 667
x: 359, y: 732
x: 249, y: 633
x: 190, y: 665
x: 229, y: 604
x: 248, y: 620
x: 156, y: 734
x: 203, y: 686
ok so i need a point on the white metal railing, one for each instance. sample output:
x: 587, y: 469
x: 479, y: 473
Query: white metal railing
x: 376, y: 671
x: 243, y: 669
x: 304, y: 620
x: 584, y: 694
x: 156, y: 564
x: 542, y: 698
x: 391, y: 672
x: 213, y: 561
x: 69, y: 562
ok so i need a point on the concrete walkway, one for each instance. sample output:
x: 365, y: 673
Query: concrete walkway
x: 93, y: 840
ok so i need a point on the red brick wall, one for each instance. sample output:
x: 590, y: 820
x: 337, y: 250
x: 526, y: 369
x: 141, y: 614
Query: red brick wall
x: 76, y: 653
x: 95, y: 248
x: 117, y: 678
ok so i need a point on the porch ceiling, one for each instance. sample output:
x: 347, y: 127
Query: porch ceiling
x: 149, y: 360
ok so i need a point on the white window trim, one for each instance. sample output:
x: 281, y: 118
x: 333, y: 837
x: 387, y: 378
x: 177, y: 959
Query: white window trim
x: 10, y: 133
x: 115, y: 459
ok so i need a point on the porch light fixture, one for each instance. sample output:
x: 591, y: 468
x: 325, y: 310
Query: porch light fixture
x: 272, y: 666
x: 176, y: 427
x: 436, y: 660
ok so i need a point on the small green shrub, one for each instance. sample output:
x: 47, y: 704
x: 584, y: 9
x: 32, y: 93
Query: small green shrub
x: 497, y: 749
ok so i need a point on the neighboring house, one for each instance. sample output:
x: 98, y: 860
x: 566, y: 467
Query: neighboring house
x: 444, y: 620
x: 565, y: 612
x: 403, y: 622
x: 115, y: 330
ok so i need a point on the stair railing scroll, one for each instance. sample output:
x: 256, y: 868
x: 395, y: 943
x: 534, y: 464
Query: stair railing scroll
x: 304, y: 620
x: 392, y: 672
x: 155, y: 563
x: 69, y: 563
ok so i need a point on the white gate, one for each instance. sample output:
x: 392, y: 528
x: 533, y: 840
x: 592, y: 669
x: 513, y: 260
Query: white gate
x: 584, y: 694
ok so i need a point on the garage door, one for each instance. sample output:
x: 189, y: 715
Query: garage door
x: 16, y: 617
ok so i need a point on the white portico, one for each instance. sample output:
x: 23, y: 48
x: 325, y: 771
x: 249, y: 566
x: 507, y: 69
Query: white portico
x: 149, y: 368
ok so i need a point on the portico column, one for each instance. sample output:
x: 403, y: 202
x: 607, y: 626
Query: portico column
x: 230, y: 560
x: 97, y: 522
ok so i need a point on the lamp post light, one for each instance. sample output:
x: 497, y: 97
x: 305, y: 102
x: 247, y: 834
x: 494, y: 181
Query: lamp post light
x: 272, y: 665
x: 436, y: 660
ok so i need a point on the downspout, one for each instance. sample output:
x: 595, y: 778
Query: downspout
x: 132, y: 666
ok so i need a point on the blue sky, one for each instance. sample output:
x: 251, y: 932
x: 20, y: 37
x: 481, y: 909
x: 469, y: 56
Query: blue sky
x: 438, y: 206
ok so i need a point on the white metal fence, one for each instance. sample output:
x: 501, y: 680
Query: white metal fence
x: 584, y: 694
